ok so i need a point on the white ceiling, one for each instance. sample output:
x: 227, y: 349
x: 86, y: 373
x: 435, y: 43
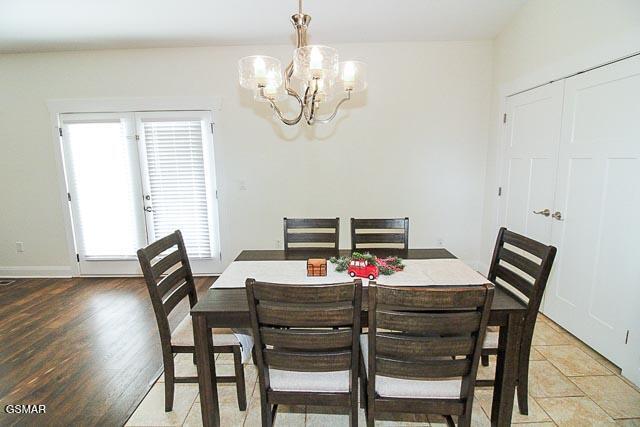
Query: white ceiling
x: 43, y: 25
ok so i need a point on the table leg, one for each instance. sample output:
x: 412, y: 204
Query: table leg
x: 205, y: 361
x: 506, y: 371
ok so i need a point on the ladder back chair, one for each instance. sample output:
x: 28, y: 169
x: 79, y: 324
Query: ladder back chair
x: 170, y: 280
x: 306, y: 343
x: 311, y: 233
x: 422, y: 351
x: 391, y: 233
x: 521, y: 266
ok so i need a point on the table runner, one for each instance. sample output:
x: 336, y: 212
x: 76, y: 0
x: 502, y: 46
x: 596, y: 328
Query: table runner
x: 417, y: 272
x: 422, y: 272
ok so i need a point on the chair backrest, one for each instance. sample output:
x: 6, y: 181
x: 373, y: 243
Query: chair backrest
x: 311, y: 233
x: 169, y: 279
x: 391, y: 233
x: 524, y: 265
x: 305, y: 328
x: 428, y: 333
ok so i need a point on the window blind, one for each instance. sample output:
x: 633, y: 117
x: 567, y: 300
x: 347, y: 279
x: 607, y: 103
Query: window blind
x: 177, y: 183
x: 103, y: 164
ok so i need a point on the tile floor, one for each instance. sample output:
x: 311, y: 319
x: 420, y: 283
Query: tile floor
x: 569, y: 385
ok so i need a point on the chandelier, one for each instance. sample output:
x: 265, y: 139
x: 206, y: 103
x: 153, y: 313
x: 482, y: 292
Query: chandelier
x: 313, y: 77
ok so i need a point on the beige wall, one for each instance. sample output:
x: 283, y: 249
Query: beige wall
x: 413, y: 145
x: 547, y: 40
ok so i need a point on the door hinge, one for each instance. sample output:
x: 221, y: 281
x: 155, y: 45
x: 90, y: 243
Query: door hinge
x: 211, y: 127
x: 137, y: 137
x: 60, y: 131
x: 78, y: 257
x: 216, y: 194
x: 499, y: 191
x: 504, y: 118
x: 626, y: 339
x: 69, y: 196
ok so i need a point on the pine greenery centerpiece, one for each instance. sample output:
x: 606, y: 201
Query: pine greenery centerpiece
x: 386, y: 266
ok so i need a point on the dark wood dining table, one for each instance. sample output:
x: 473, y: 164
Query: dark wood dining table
x: 228, y: 308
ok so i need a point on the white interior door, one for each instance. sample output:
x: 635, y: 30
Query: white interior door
x: 596, y: 287
x: 530, y: 160
x: 105, y: 195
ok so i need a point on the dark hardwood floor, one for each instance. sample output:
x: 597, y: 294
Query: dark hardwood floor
x: 88, y: 348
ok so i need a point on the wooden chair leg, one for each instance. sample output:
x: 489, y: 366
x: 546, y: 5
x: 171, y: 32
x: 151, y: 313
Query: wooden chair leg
x: 363, y: 385
x: 169, y: 382
x: 485, y: 359
x: 523, y: 386
x: 450, y: 422
x: 254, y: 358
x: 240, y: 384
x: 353, y: 415
x: 369, y: 410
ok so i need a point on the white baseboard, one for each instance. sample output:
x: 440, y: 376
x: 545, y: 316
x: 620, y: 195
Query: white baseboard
x: 28, y: 271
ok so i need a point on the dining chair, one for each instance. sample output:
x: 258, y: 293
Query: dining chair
x: 521, y: 266
x: 422, y: 350
x: 170, y: 280
x: 391, y: 233
x: 311, y: 233
x: 306, y: 342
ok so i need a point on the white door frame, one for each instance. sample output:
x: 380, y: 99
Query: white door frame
x: 105, y: 105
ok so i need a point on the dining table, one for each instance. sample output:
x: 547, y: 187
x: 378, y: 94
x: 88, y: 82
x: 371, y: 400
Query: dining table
x: 226, y: 306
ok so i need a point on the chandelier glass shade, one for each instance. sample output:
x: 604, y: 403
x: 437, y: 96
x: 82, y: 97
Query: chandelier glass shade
x: 313, y: 77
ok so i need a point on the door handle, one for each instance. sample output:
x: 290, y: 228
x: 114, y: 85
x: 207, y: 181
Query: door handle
x: 557, y: 215
x: 545, y: 212
x: 148, y: 209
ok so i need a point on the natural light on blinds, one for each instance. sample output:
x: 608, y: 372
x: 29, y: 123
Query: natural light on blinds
x: 102, y: 181
x: 177, y: 183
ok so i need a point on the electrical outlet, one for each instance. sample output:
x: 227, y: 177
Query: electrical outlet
x: 19, y: 247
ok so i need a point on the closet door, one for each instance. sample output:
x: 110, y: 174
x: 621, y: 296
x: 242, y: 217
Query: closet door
x: 596, y: 286
x: 530, y: 160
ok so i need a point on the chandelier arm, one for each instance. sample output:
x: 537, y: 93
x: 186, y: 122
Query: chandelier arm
x: 335, y: 111
x: 275, y: 108
x: 312, y: 107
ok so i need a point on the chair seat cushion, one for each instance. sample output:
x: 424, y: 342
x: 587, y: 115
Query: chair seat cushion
x: 491, y: 339
x: 417, y: 389
x: 183, y: 335
x: 317, y: 382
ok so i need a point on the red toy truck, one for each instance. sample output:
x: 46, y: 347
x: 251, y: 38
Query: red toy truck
x: 362, y: 268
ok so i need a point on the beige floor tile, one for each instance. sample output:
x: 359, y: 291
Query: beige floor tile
x: 536, y: 414
x: 547, y: 381
x: 230, y: 415
x: 547, y: 424
x: 543, y: 334
x: 478, y: 417
x: 575, y: 411
x: 151, y: 410
x: 630, y: 422
x: 534, y: 354
x: 224, y: 358
x: 287, y: 415
x: 572, y: 361
x: 613, y: 395
x: 319, y: 416
x: 184, y: 366
x: 487, y: 372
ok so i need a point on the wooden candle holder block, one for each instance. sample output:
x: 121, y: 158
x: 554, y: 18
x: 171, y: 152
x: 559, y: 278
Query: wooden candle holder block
x: 316, y: 267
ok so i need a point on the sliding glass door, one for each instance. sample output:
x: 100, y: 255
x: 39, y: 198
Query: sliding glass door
x: 136, y: 177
